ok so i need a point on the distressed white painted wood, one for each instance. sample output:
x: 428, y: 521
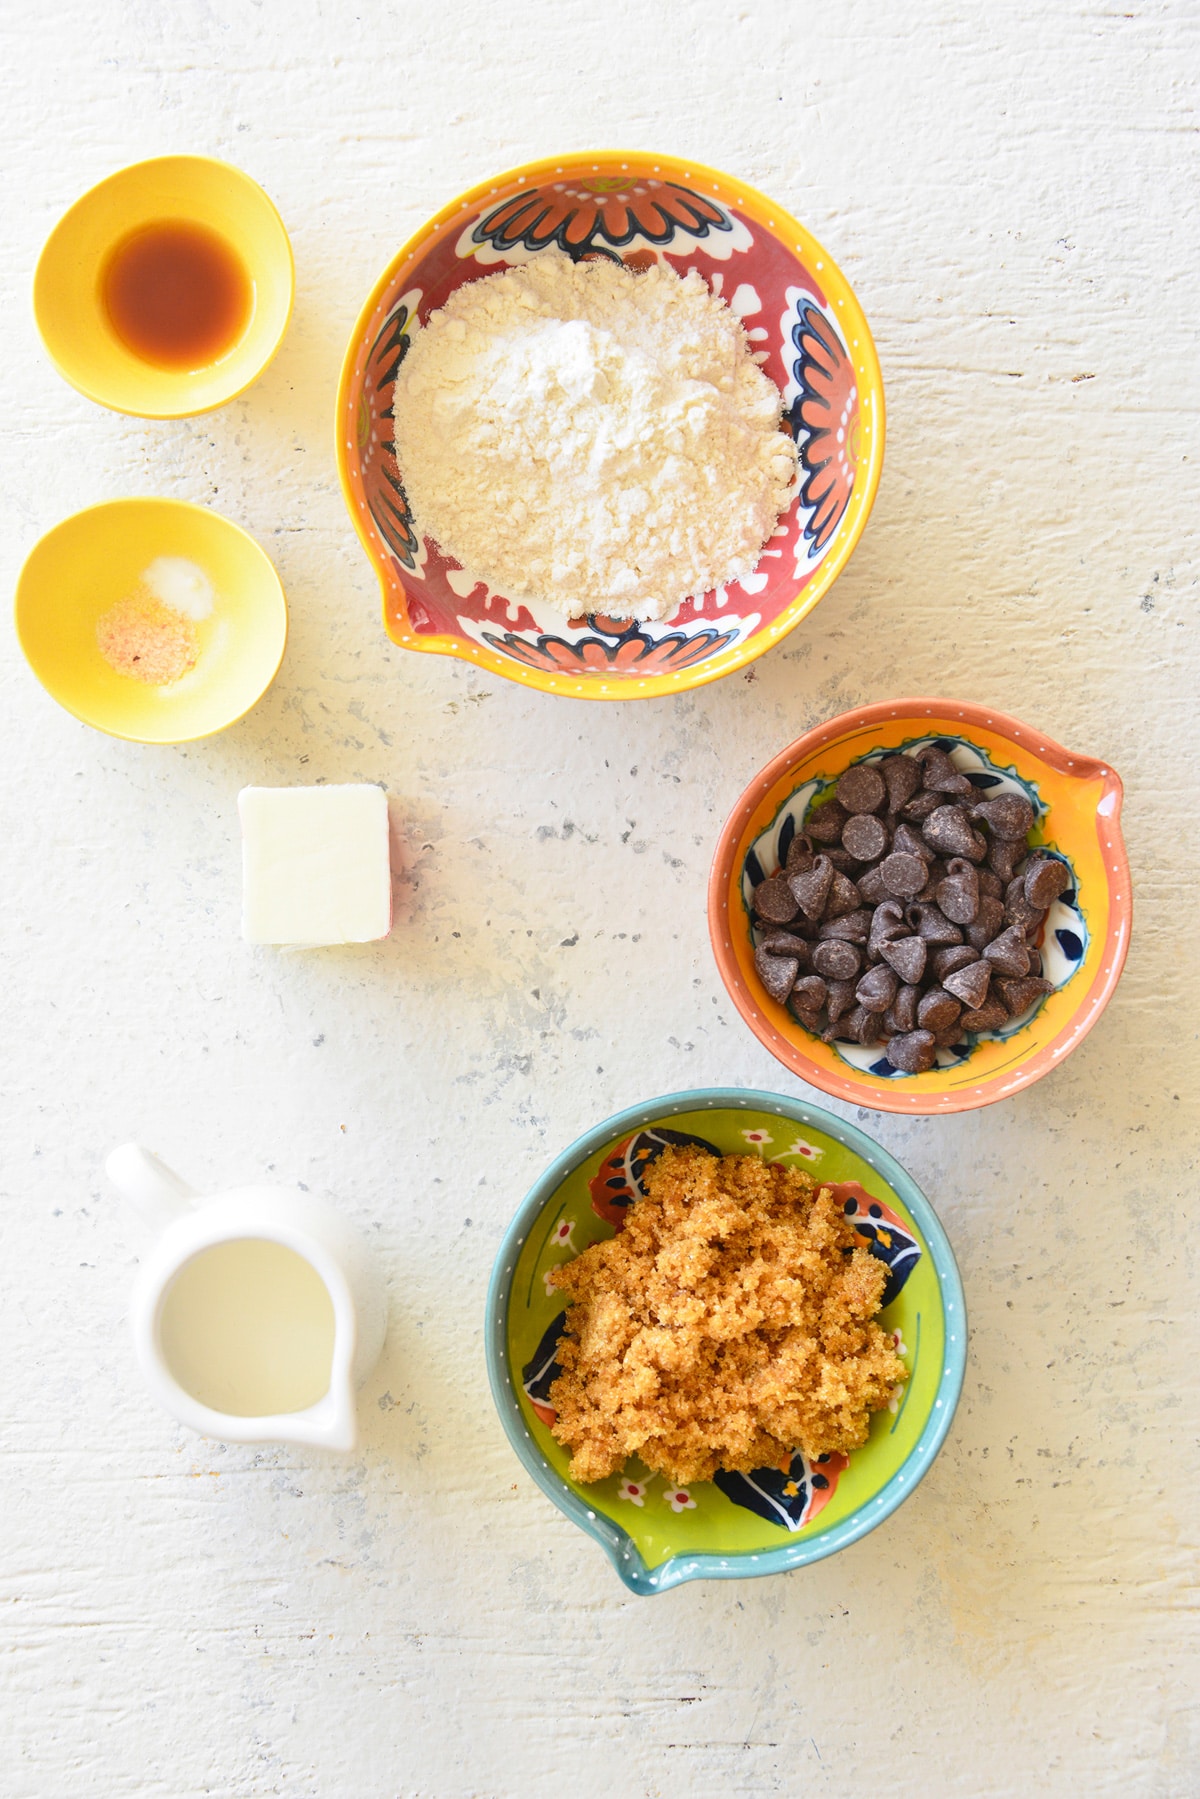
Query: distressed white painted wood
x: 1013, y: 190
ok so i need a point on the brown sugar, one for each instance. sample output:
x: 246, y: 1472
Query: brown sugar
x: 729, y: 1324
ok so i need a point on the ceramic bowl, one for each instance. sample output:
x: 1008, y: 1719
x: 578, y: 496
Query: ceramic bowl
x: 806, y: 325
x: 69, y: 308
x: 95, y: 559
x: 1077, y: 800
x: 657, y: 1535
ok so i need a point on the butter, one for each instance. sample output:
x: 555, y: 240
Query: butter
x: 316, y: 867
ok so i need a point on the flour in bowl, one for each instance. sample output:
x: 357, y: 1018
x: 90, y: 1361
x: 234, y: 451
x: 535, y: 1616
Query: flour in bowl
x: 590, y: 437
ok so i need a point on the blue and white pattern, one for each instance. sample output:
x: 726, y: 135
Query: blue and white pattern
x: 790, y: 1499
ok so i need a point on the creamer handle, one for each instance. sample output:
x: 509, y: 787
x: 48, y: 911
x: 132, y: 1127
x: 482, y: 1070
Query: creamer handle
x: 157, y: 1195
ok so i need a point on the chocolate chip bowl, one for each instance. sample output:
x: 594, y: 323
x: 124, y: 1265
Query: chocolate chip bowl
x: 923, y: 905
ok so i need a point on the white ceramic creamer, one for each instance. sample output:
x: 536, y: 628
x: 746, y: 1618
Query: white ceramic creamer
x: 256, y: 1313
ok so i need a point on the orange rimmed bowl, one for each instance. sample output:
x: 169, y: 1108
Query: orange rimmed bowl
x: 1085, y: 936
x: 805, y: 323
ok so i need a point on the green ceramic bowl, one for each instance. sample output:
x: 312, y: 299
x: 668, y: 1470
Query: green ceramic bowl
x: 656, y: 1535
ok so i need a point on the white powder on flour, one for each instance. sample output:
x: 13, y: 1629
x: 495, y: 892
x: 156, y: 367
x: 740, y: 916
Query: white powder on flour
x: 598, y: 439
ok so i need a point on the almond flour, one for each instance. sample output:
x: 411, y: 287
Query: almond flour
x: 594, y: 438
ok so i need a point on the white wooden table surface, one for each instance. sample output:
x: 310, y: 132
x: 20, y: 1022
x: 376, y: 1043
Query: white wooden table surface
x: 1013, y: 190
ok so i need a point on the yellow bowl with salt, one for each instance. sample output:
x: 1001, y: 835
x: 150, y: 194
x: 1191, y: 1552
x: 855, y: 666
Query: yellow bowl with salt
x: 152, y: 619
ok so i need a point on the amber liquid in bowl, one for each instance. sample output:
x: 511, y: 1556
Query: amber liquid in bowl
x: 177, y: 294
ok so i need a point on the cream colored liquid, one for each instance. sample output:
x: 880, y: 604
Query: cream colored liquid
x: 247, y: 1328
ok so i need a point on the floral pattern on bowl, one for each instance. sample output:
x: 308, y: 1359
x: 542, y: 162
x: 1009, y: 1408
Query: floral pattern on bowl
x: 809, y: 334
x: 658, y: 1534
x: 1077, y: 800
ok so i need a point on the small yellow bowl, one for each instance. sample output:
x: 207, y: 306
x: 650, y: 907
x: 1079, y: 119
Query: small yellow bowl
x: 97, y: 560
x: 69, y: 307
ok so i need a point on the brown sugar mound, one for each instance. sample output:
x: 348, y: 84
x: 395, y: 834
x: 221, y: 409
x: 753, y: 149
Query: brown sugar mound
x: 728, y: 1325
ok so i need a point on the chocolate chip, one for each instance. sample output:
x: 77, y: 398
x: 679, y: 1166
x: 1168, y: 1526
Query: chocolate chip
x: 937, y: 1010
x: 1045, y: 878
x: 911, y: 842
x: 777, y: 973
x: 949, y: 1035
x: 1005, y: 857
x: 836, y: 960
x: 1008, y: 816
x: 901, y: 777
x: 810, y: 993
x: 810, y: 890
x: 861, y: 788
x: 907, y: 956
x: 989, y: 918
x: 877, y: 989
x: 958, y: 893
x: 841, y: 998
x: 990, y: 885
x: 843, y: 896
x: 1035, y: 959
x: 861, y: 1026
x: 969, y: 983
x: 1007, y: 952
x: 903, y: 874
x: 786, y: 943
x: 887, y: 922
x: 938, y: 773
x: 871, y: 886
x: 912, y: 1053
x: 904, y: 1007
x: 930, y: 922
x: 825, y: 825
x: 843, y: 861
x: 920, y: 806
x: 800, y: 855
x: 1017, y: 909
x: 865, y: 836
x: 948, y: 831
x: 988, y: 1017
x: 851, y: 927
x: 775, y: 901
x: 935, y: 872
x: 951, y: 956
x: 1018, y: 995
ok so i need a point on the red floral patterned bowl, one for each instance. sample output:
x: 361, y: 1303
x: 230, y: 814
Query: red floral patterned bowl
x: 1077, y: 807
x: 809, y: 334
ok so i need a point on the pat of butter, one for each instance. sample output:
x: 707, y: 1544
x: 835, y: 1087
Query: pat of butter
x: 315, y: 865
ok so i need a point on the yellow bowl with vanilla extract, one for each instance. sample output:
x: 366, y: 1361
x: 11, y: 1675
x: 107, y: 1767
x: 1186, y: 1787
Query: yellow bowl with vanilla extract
x: 166, y: 289
x: 152, y: 619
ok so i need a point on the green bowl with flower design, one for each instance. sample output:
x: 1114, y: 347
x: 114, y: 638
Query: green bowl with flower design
x: 658, y: 1535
